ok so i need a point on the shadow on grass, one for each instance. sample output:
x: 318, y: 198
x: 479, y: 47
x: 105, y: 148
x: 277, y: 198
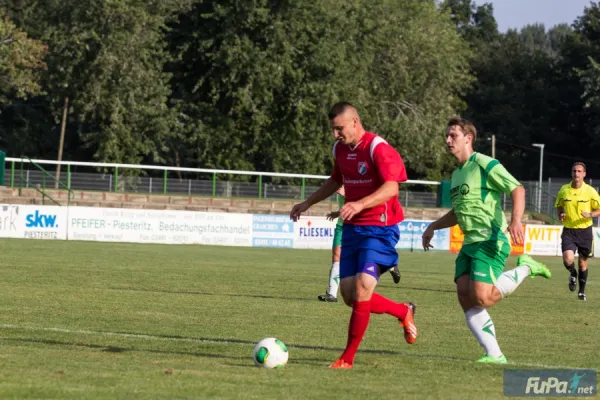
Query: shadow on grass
x: 113, y: 349
x: 191, y: 292
x: 258, y: 296
x: 297, y: 360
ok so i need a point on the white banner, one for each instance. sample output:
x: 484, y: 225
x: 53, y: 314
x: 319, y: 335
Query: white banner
x: 411, y: 232
x: 272, y: 231
x: 33, y: 222
x: 159, y: 226
x: 44, y: 222
x: 543, y: 240
x: 12, y: 219
x: 314, y: 233
x: 188, y: 227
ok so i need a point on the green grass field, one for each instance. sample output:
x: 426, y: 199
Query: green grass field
x: 104, y: 320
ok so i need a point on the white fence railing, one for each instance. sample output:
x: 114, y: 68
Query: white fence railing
x: 110, y: 177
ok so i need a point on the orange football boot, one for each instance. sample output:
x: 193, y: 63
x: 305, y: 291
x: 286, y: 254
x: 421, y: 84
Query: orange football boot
x: 340, y: 364
x: 408, y: 324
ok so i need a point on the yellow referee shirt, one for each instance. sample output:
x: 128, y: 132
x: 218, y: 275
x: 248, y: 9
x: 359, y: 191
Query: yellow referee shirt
x: 574, y: 202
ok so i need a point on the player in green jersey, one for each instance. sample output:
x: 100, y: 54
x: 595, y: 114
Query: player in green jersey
x: 477, y: 186
x: 336, y: 250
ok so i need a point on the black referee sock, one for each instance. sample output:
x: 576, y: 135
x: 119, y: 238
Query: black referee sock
x: 571, y: 269
x: 582, y: 280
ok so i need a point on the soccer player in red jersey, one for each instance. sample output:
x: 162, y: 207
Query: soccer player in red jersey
x: 370, y: 170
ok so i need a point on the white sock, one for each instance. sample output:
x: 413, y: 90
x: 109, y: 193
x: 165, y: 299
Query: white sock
x: 334, y: 279
x: 482, y: 327
x: 510, y: 280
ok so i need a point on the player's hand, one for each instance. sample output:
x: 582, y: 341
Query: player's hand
x: 427, y: 236
x: 297, y: 210
x: 586, y: 214
x: 333, y: 215
x: 516, y: 232
x: 562, y: 216
x: 349, y: 210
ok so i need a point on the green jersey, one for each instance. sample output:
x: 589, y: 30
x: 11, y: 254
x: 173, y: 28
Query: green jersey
x: 476, y: 191
x: 341, y: 200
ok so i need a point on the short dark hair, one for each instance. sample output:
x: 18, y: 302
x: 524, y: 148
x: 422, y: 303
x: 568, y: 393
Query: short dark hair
x: 465, y: 125
x: 579, y: 163
x: 338, y: 108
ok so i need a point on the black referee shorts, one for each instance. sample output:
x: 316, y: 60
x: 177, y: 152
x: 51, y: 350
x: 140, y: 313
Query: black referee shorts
x: 581, y: 240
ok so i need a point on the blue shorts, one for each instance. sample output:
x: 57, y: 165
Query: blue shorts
x: 368, y: 249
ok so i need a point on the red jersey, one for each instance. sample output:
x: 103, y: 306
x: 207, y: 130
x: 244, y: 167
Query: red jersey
x: 362, y: 169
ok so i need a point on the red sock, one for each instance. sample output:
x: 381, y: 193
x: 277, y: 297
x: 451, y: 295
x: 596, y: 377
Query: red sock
x: 383, y: 305
x: 361, y: 313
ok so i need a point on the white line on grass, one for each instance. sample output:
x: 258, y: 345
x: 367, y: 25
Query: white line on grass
x: 198, y: 340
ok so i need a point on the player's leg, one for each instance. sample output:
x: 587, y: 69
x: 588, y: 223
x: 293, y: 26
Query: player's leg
x: 477, y: 318
x: 356, y: 292
x: 334, y: 272
x: 491, y: 284
x: 379, y: 254
x: 395, y: 272
x: 372, y: 247
x: 585, y: 246
x: 348, y: 274
x: 568, y: 248
x: 479, y: 321
x: 582, y: 277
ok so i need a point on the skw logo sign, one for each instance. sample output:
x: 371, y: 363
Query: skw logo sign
x: 38, y: 220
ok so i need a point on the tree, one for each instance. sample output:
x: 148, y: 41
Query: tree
x: 261, y: 75
x: 21, y: 62
x: 107, y: 58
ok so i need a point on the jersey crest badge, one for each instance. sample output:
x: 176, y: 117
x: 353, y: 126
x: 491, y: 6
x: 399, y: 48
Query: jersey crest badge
x: 362, y: 167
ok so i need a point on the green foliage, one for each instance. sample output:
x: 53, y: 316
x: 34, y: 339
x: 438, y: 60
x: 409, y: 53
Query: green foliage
x: 21, y: 62
x: 234, y: 84
x: 265, y: 73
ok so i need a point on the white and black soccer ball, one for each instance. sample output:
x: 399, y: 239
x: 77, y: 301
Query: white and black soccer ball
x: 270, y: 353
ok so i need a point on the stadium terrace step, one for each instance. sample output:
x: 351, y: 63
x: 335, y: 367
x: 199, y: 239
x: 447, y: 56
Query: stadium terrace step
x: 8, y: 192
x: 199, y: 204
x: 17, y: 200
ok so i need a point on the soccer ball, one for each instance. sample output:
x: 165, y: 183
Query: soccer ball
x: 270, y: 353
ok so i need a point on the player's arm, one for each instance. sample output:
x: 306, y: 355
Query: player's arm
x: 594, y: 204
x: 385, y: 192
x: 559, y: 205
x: 326, y: 190
x: 560, y: 211
x: 449, y: 219
x: 446, y: 221
x: 390, y: 169
x: 515, y: 228
x: 501, y: 180
x: 592, y: 214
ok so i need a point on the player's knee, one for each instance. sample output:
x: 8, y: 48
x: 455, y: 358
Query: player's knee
x: 567, y: 263
x: 362, y: 293
x: 465, y: 301
x: 568, y: 260
x: 347, y: 299
x: 482, y: 300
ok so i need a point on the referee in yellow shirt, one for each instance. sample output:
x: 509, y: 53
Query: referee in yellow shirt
x: 577, y: 203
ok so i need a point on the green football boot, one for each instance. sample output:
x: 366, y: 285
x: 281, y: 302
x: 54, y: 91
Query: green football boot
x: 493, y: 360
x: 536, y: 268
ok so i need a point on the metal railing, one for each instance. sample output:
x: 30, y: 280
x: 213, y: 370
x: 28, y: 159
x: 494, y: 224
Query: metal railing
x: 40, y: 187
x: 198, y: 182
